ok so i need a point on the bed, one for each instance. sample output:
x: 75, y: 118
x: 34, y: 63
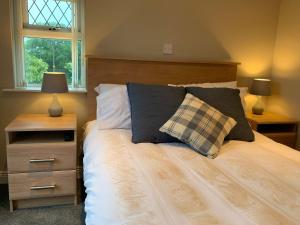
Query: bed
x: 161, y: 184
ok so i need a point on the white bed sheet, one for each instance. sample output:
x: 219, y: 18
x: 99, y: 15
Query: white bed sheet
x: 169, y: 184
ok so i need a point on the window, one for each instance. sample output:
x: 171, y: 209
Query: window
x: 48, y: 36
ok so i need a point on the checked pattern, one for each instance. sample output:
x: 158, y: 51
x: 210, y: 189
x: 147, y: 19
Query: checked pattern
x: 199, y: 125
x: 50, y: 13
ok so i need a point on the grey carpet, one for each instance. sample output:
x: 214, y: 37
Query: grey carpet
x: 54, y: 215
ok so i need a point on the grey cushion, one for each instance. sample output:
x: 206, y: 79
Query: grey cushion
x: 199, y: 125
x: 228, y: 102
x: 151, y: 106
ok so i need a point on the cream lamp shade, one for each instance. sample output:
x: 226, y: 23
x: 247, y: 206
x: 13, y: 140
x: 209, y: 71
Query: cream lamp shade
x: 54, y: 82
x: 260, y: 87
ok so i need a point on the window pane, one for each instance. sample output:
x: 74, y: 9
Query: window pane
x: 50, y: 13
x: 41, y: 55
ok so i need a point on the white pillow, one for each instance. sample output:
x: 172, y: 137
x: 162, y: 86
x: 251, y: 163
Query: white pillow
x: 243, y: 93
x: 230, y: 84
x: 113, y: 109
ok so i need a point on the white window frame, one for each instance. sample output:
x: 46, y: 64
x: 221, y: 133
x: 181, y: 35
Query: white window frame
x: 20, y: 30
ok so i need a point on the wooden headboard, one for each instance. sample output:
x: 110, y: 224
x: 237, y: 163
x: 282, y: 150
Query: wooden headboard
x: 120, y: 71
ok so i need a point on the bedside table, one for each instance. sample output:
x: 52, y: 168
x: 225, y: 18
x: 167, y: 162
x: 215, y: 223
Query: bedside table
x: 41, y: 160
x: 277, y: 127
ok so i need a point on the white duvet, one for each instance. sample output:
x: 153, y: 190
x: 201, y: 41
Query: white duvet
x: 169, y: 184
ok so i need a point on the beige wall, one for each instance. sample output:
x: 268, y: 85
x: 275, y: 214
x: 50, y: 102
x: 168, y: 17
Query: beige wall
x: 286, y: 66
x: 237, y: 30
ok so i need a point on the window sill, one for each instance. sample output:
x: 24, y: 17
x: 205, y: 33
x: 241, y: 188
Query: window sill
x: 37, y: 90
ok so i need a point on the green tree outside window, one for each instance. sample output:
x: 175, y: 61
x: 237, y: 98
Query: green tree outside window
x: 43, y: 55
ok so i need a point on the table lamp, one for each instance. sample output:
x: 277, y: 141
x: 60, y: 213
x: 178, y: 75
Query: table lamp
x: 260, y: 87
x: 54, y: 82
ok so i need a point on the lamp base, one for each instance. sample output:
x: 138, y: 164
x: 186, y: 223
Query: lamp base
x: 55, y: 109
x: 259, y: 107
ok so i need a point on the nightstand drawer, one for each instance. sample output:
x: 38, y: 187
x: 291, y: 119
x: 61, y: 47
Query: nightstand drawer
x: 42, y: 184
x: 288, y: 138
x: 280, y: 128
x: 41, y: 157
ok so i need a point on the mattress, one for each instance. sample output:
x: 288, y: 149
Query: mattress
x: 169, y: 184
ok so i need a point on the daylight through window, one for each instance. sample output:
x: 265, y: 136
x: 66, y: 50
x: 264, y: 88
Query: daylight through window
x: 48, y: 36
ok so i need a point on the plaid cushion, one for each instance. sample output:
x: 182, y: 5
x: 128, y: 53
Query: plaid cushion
x: 199, y: 125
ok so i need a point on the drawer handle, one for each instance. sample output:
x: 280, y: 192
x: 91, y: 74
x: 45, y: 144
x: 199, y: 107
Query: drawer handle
x: 41, y: 160
x: 42, y: 187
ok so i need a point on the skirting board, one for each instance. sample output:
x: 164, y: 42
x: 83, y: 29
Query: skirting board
x: 3, y: 175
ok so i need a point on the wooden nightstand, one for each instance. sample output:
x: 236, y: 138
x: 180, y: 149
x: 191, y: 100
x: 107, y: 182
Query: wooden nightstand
x: 41, y: 160
x: 277, y: 127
